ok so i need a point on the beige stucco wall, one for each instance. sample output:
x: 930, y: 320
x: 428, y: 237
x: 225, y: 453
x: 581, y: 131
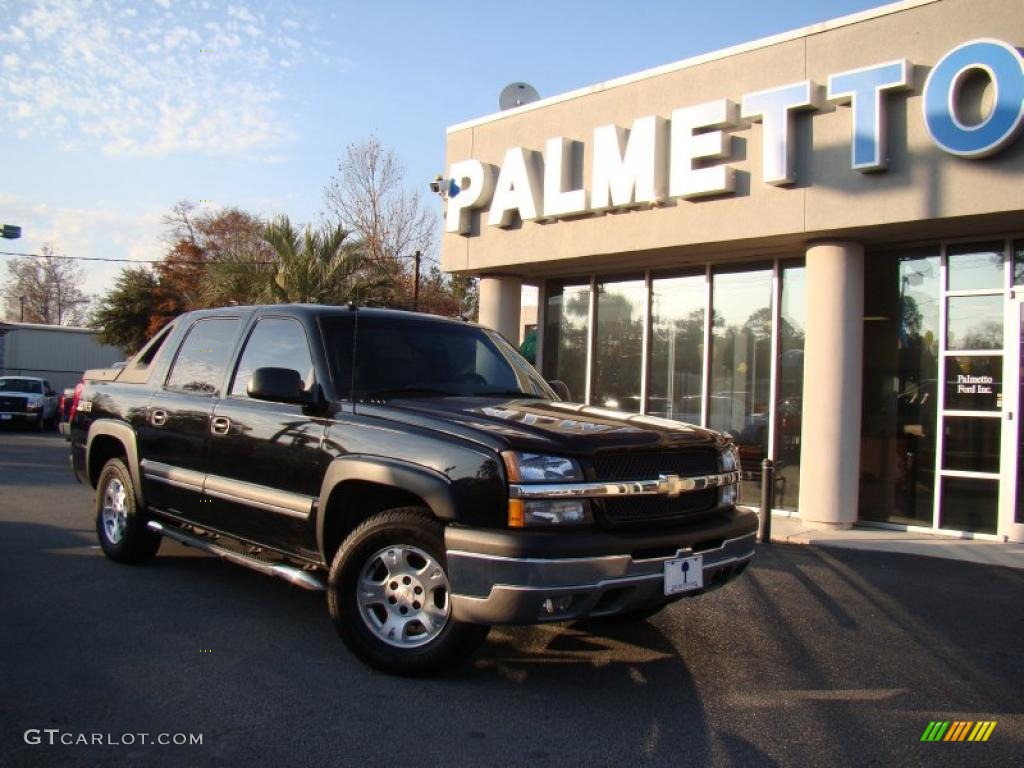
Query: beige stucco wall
x: 829, y: 199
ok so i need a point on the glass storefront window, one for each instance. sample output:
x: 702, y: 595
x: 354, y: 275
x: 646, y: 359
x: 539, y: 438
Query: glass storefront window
x: 901, y: 347
x: 974, y: 383
x: 971, y: 443
x: 567, y: 325
x: 677, y: 347
x: 618, y: 348
x: 1018, y: 262
x: 975, y: 267
x: 974, y: 322
x: 789, y: 405
x: 970, y: 504
x: 741, y: 336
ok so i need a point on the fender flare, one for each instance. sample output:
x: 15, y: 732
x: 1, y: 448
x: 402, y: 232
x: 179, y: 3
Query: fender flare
x: 126, y: 435
x: 429, y: 484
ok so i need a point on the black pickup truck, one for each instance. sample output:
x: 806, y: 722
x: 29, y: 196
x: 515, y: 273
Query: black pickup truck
x: 416, y: 468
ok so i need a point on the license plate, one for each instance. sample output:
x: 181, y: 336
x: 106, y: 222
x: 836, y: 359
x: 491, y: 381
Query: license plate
x: 5, y: 417
x: 684, y: 575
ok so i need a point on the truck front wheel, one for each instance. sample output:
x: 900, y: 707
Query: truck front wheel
x: 122, y: 532
x: 389, y: 596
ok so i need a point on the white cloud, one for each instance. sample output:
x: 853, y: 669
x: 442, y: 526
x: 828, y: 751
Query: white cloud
x: 103, y: 230
x: 143, y: 81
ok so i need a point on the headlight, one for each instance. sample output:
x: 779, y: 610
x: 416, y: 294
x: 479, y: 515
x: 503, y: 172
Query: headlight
x: 538, y: 468
x: 523, y: 513
x: 730, y: 494
x: 731, y: 458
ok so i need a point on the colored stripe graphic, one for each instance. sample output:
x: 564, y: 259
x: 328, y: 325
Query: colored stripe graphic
x: 958, y: 730
x: 935, y: 730
x: 983, y: 730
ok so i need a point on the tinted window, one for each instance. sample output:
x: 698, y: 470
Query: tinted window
x: 338, y: 342
x: 396, y: 357
x: 275, y: 342
x: 21, y: 385
x: 203, y: 357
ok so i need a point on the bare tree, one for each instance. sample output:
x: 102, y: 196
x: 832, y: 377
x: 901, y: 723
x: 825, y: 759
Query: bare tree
x: 368, y: 197
x: 47, y: 288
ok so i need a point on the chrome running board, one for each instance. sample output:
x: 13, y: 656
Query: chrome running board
x: 289, y: 573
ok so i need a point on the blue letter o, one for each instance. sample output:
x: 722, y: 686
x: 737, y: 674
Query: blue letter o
x: 1004, y: 65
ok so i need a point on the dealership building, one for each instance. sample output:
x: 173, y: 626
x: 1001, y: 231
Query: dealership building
x: 813, y: 241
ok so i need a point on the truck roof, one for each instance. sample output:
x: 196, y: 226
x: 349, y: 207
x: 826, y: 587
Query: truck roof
x: 319, y: 310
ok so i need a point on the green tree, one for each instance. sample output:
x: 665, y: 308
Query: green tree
x: 123, y: 314
x: 323, y: 266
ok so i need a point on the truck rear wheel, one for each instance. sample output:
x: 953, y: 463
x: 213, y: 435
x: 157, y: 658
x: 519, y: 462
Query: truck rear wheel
x: 389, y: 596
x: 123, y: 534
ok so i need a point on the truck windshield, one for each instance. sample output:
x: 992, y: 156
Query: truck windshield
x: 31, y: 386
x: 413, y: 357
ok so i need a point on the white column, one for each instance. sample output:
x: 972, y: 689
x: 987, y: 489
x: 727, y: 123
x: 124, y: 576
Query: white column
x: 501, y: 304
x: 833, y: 370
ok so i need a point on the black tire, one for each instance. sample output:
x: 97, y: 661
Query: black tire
x: 40, y: 423
x: 124, y: 538
x: 413, y: 533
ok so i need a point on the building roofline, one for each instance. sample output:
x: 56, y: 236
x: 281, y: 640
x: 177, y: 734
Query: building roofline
x: 6, y: 325
x: 693, y: 61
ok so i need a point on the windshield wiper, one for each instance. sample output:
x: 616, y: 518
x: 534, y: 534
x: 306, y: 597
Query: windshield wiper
x: 408, y: 391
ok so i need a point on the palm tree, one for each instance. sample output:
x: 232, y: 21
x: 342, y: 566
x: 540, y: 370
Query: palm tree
x: 321, y: 266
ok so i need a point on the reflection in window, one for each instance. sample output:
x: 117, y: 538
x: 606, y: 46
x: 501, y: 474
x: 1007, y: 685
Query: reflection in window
x: 677, y: 347
x: 975, y: 267
x: 1018, y: 262
x: 898, y: 421
x: 969, y: 504
x: 789, y: 407
x: 974, y: 322
x: 974, y: 383
x: 567, y: 325
x: 741, y: 340
x: 276, y: 342
x: 971, y: 443
x: 619, y: 345
x: 203, y: 358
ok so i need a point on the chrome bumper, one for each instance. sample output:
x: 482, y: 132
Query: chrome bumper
x: 491, y: 589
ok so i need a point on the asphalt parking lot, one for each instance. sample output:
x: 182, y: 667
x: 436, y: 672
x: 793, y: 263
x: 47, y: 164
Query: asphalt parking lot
x: 816, y: 656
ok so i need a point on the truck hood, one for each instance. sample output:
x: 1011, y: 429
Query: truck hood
x: 542, y: 425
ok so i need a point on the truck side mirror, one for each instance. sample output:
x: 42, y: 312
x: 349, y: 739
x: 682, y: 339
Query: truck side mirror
x: 279, y: 385
x: 561, y: 389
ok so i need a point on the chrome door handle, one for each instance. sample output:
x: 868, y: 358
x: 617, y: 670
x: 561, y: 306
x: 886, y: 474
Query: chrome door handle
x: 158, y: 417
x: 220, y: 425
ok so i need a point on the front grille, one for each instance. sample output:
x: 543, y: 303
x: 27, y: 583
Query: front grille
x: 635, y: 511
x: 8, y: 403
x: 648, y: 465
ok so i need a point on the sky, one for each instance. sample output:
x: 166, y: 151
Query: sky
x: 110, y: 112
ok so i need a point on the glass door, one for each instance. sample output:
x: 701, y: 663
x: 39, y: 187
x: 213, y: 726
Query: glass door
x: 974, y: 370
x: 1012, y: 503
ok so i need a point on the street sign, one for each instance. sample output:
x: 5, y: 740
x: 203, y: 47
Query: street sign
x: 11, y: 232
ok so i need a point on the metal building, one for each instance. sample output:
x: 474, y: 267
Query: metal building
x: 56, y: 353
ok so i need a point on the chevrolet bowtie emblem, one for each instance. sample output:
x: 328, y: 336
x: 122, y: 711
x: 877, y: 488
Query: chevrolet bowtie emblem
x: 670, y: 485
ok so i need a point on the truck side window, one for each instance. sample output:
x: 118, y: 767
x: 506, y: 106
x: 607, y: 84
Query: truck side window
x: 275, y: 342
x: 203, y: 357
